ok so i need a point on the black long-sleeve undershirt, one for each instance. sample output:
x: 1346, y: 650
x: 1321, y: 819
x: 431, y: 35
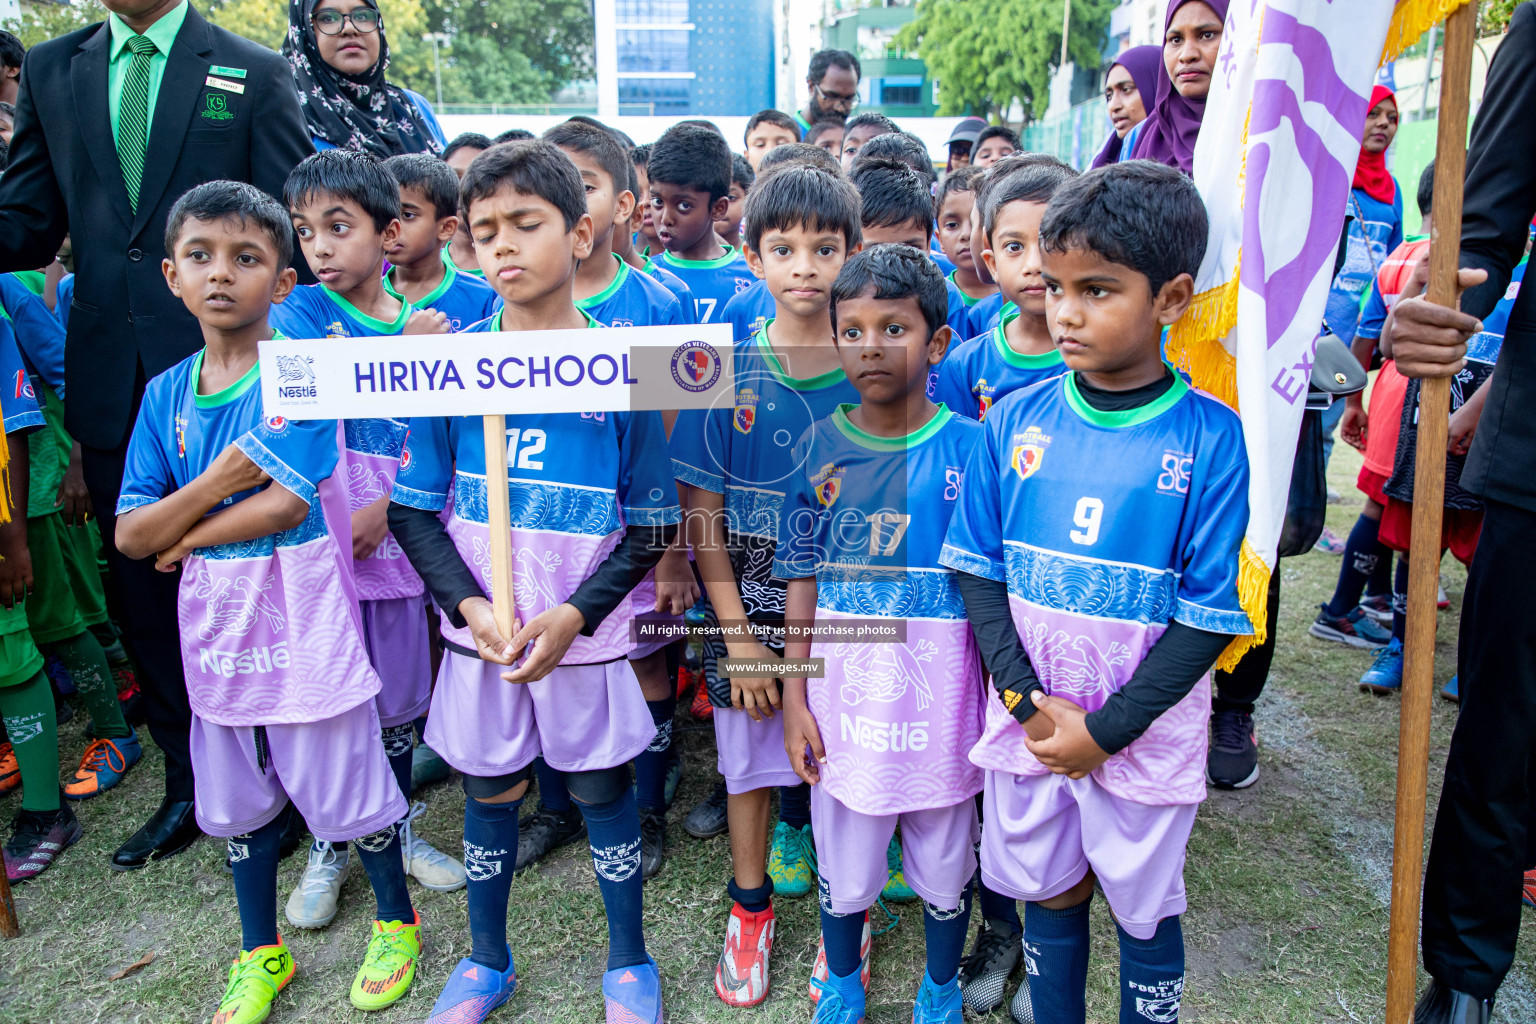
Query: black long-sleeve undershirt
x: 432, y: 554
x: 1176, y: 662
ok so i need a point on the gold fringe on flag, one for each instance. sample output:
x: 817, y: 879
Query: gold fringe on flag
x: 1411, y: 19
x: 1253, y: 594
x: 1194, y: 342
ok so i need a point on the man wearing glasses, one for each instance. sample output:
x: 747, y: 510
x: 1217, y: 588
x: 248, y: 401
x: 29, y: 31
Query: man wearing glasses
x: 114, y: 122
x: 834, y: 85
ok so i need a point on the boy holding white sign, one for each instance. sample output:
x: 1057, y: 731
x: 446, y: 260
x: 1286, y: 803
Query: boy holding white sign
x: 593, y: 509
x: 802, y: 223
x: 281, y: 690
x: 346, y: 210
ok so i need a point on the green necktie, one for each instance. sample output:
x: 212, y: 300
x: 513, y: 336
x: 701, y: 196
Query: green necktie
x: 133, y: 117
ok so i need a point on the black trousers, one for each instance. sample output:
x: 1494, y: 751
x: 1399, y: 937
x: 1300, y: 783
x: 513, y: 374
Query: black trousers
x: 1239, y: 689
x: 1483, y: 836
x: 143, y: 602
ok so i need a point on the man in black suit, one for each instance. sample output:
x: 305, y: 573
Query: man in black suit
x: 1485, y: 830
x: 113, y: 123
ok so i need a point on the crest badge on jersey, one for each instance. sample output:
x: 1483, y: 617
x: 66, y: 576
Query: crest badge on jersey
x: 828, y: 484
x: 983, y: 392
x: 277, y: 424
x: 1028, y: 452
x: 746, y: 410
x: 24, y: 385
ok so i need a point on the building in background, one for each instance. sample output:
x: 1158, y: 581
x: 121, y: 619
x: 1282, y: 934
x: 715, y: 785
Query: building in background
x: 680, y: 58
x: 895, y: 83
x: 1136, y: 23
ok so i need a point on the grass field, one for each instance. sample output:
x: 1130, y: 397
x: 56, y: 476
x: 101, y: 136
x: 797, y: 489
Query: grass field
x: 1288, y: 887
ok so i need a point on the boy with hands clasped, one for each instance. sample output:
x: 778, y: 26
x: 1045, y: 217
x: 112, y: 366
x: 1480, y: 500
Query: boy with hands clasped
x: 1097, y: 542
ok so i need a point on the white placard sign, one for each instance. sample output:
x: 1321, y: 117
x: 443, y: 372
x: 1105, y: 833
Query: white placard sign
x: 486, y: 374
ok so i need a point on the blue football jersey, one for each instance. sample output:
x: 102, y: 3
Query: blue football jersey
x: 866, y: 516
x: 986, y: 313
x: 576, y: 480
x: 39, y: 333
x: 674, y: 284
x: 747, y: 453
x: 978, y: 373
x: 749, y: 309
x: 1106, y: 527
x: 460, y: 297
x: 633, y: 300
x: 712, y: 282
x: 314, y: 311
x: 18, y: 399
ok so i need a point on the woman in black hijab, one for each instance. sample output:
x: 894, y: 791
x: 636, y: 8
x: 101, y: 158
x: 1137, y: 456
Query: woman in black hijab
x: 339, y: 54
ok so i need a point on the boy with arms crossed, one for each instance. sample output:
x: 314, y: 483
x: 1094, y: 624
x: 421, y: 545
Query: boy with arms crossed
x: 593, y: 510
x: 802, y: 224
x: 283, y: 697
x: 1097, y: 539
x: 883, y: 737
x: 345, y: 208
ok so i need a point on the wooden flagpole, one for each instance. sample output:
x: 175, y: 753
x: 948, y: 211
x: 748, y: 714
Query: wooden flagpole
x: 1424, y: 556
x: 500, y: 508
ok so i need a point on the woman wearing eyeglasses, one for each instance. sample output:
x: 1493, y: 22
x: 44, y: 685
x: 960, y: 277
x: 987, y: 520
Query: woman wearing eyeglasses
x: 339, y: 55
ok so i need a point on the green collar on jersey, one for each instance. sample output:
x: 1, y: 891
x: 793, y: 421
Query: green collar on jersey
x: 372, y: 323
x: 449, y: 273
x: 730, y: 257
x: 591, y: 321
x: 874, y: 442
x: 1040, y: 361
x: 816, y: 383
x: 232, y: 392
x: 969, y: 302
x: 1125, y: 417
x: 448, y: 262
x: 608, y: 292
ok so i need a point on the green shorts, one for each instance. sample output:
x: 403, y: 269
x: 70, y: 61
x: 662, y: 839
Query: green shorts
x: 19, y: 657
x: 53, y: 611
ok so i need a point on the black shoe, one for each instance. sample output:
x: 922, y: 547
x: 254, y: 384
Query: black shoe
x: 984, y: 974
x: 37, y: 839
x: 545, y: 832
x: 708, y: 819
x: 1233, y: 761
x: 653, y: 842
x: 1442, y: 1005
x: 171, y: 829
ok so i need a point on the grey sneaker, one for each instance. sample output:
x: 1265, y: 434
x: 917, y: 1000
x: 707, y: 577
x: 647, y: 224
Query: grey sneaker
x: 1357, y: 629
x: 985, y: 973
x: 1021, y: 1009
x: 312, y: 904
x: 708, y: 820
x: 432, y: 868
x: 1233, y: 760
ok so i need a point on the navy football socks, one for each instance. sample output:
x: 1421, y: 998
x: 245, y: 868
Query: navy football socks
x: 652, y: 763
x: 944, y: 934
x: 842, y: 934
x: 1363, y: 554
x: 613, y: 830
x: 995, y: 906
x: 399, y: 742
x: 553, y: 796
x: 1151, y: 974
x: 490, y: 853
x: 1056, y: 947
x: 253, y: 859
x: 380, y: 854
x: 795, y: 805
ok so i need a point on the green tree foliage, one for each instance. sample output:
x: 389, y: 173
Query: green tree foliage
x: 41, y: 22
x: 1494, y: 16
x: 511, y: 51
x: 987, y: 54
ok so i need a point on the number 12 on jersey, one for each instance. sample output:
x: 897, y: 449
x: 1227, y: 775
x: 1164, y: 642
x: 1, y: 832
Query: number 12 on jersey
x: 532, y: 444
x: 1089, y: 515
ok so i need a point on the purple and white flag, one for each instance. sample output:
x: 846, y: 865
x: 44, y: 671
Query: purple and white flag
x: 1274, y: 162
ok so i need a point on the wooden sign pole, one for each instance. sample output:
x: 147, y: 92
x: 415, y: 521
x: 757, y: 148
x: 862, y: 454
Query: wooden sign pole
x: 500, y: 507
x: 1424, y: 556
x: 10, y: 928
